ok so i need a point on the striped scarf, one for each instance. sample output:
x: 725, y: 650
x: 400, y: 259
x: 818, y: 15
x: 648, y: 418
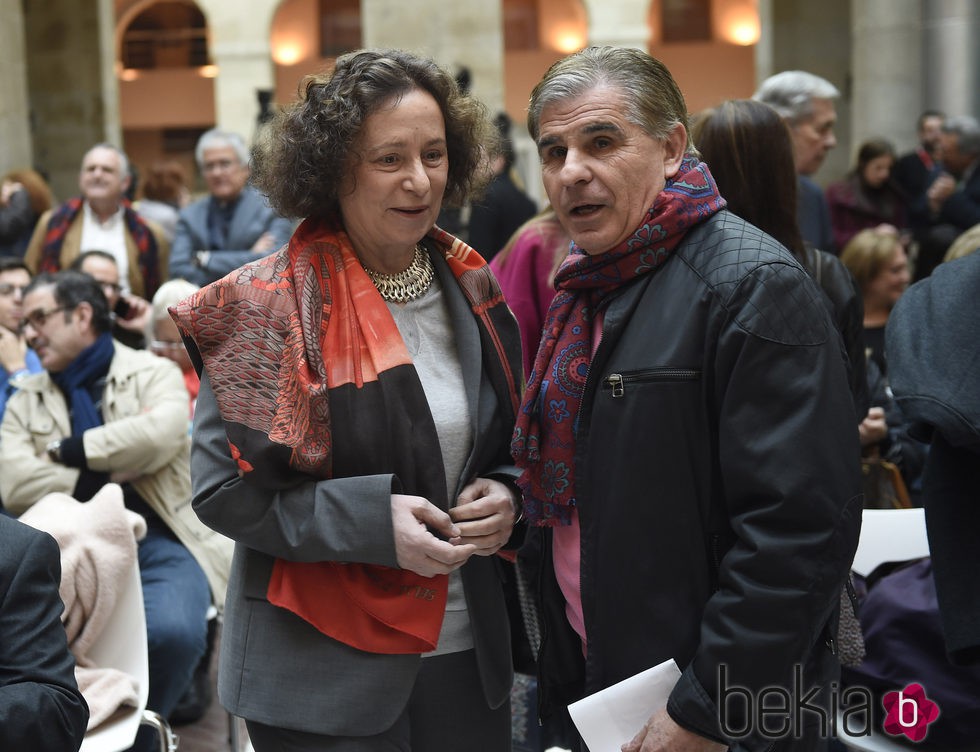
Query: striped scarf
x: 147, y: 252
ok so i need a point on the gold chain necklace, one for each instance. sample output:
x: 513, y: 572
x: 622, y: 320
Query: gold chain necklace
x: 407, y: 285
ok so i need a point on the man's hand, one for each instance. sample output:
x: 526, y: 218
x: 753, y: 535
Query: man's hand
x: 661, y: 734
x: 8, y: 189
x: 485, y: 512
x: 265, y: 243
x: 940, y: 190
x: 13, y: 351
x: 874, y: 427
x: 138, y: 317
x: 416, y: 546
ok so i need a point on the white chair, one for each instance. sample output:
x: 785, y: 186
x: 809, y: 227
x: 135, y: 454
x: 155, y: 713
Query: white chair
x: 122, y: 645
x: 890, y: 535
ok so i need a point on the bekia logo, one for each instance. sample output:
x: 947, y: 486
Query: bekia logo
x: 909, y: 712
x: 776, y: 712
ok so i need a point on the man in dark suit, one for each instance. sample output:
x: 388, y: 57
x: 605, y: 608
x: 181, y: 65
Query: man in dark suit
x: 231, y: 226
x: 954, y: 197
x: 806, y: 103
x: 505, y: 207
x: 41, y: 708
x: 914, y: 172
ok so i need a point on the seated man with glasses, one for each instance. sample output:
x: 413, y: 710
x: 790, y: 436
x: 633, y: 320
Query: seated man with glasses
x: 17, y: 360
x: 231, y: 226
x: 103, y: 413
x: 130, y: 313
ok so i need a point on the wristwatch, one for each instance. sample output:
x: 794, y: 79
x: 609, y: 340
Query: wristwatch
x: 54, y: 450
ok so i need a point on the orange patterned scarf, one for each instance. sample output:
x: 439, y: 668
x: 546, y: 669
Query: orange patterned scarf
x: 313, y: 381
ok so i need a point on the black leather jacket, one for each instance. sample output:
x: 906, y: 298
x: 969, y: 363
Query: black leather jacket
x: 718, y: 476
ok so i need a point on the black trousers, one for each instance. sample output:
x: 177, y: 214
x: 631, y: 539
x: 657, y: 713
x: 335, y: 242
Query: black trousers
x: 447, y: 712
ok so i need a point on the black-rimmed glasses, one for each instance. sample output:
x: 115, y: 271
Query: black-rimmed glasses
x: 39, y: 318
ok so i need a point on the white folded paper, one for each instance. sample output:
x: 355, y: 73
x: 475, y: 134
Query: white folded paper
x: 611, y: 717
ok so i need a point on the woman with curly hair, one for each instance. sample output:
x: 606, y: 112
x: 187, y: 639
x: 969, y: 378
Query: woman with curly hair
x: 358, y: 390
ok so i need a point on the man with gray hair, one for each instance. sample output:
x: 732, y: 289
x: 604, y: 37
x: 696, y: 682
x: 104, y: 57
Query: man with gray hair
x: 101, y: 219
x: 689, y: 461
x: 806, y: 103
x: 231, y: 226
x: 953, y: 198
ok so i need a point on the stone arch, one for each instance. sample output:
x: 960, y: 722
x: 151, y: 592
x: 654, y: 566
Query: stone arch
x: 128, y: 12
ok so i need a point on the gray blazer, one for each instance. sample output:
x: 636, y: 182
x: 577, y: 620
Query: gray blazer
x: 276, y: 668
x: 253, y: 217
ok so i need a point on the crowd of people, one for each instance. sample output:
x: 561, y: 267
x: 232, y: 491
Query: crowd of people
x: 346, y: 430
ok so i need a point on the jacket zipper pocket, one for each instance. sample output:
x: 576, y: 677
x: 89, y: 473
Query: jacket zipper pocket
x: 617, y: 381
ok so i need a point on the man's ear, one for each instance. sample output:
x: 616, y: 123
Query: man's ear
x: 675, y: 147
x: 84, y: 312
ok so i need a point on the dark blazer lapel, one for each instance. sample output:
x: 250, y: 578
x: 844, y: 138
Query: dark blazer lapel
x: 470, y: 356
x: 240, y: 228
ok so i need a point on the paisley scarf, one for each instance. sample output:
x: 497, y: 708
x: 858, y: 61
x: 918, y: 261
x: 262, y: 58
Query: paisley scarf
x: 544, y: 439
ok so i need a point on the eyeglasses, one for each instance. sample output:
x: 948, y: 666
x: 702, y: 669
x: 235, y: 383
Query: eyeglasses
x: 164, y: 346
x: 37, y: 319
x: 110, y: 287
x: 8, y: 289
x: 219, y: 165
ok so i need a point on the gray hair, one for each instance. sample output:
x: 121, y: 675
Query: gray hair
x: 652, y: 99
x: 216, y: 138
x: 169, y: 294
x: 791, y: 93
x: 123, y: 159
x: 967, y: 132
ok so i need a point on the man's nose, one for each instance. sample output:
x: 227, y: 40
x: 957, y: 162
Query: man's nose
x: 575, y: 168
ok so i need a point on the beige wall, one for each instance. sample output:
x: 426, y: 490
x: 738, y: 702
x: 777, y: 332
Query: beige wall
x: 15, y: 145
x: 732, y: 71
x: 167, y: 98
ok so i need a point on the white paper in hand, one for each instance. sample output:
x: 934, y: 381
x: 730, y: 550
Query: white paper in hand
x: 611, y: 717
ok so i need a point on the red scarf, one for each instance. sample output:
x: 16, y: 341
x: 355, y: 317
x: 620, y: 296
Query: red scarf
x: 544, y: 439
x: 147, y: 252
x: 300, y: 337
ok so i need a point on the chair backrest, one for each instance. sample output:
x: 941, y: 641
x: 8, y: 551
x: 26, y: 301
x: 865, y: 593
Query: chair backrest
x: 122, y: 645
x: 890, y: 535
x: 886, y: 535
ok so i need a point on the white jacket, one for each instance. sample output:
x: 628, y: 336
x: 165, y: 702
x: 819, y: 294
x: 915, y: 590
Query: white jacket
x: 144, y: 440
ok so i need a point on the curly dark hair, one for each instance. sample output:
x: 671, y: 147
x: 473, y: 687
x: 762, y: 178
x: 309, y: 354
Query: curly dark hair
x: 304, y: 152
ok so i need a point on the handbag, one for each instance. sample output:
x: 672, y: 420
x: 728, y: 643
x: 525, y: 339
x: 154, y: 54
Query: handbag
x: 883, y: 485
x: 850, y: 639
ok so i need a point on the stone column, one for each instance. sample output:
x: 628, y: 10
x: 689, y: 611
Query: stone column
x: 887, y: 64
x: 952, y: 71
x: 621, y: 24
x: 815, y: 37
x: 239, y: 34
x: 454, y: 35
x: 15, y: 146
x: 71, y: 83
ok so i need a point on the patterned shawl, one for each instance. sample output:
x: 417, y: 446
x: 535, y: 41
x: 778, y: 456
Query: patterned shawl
x: 544, y: 439
x: 313, y: 381
x: 147, y: 252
